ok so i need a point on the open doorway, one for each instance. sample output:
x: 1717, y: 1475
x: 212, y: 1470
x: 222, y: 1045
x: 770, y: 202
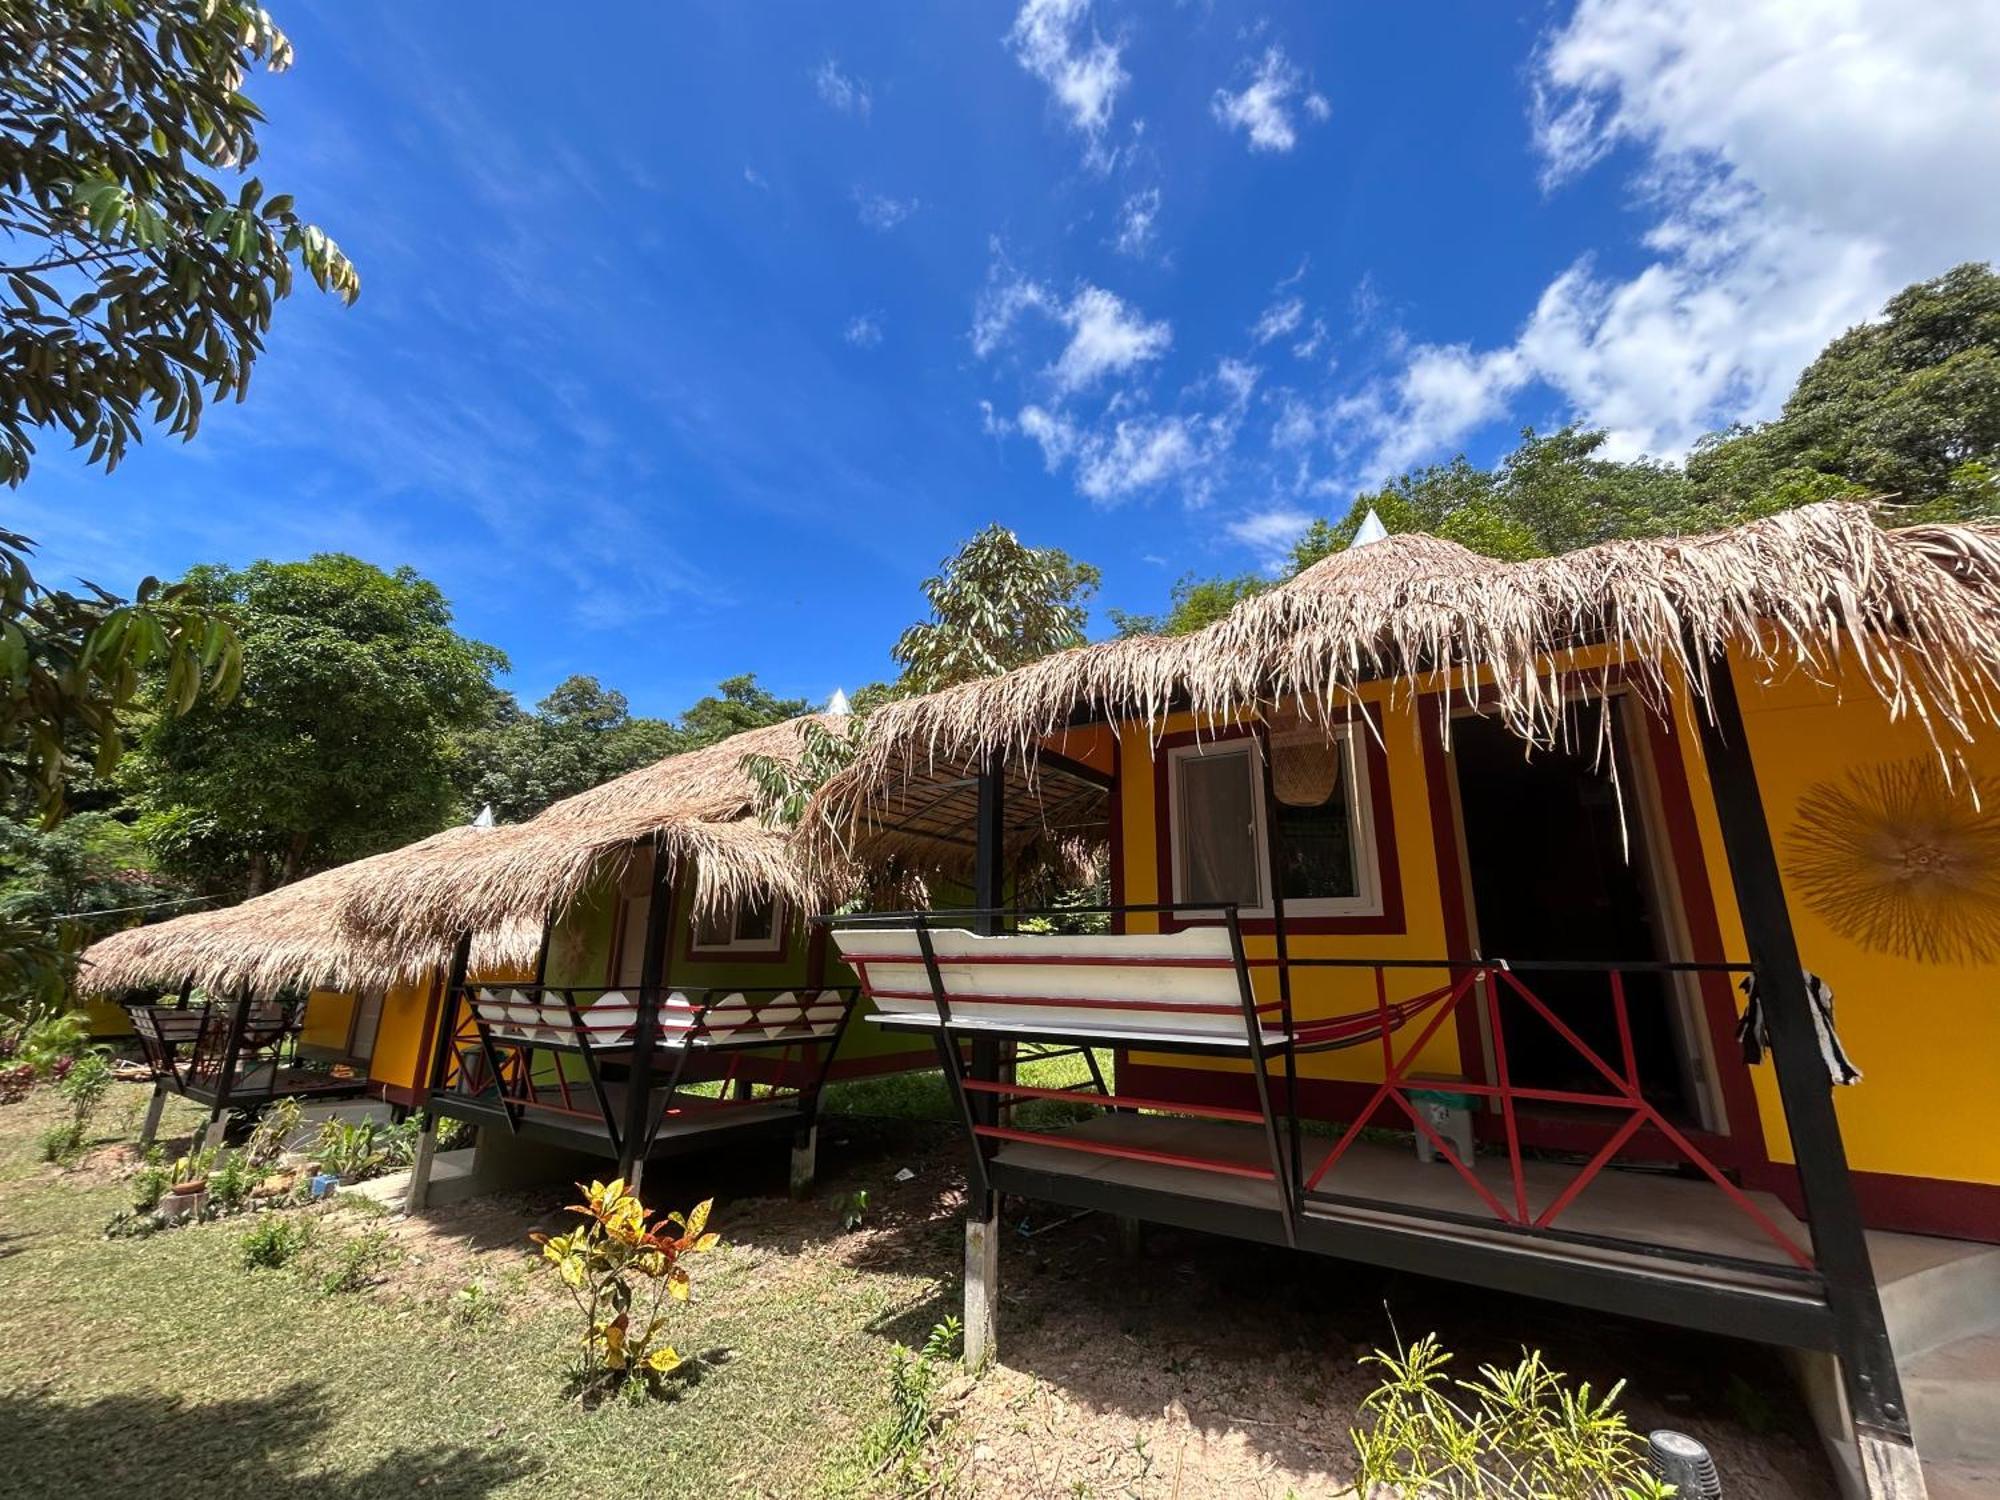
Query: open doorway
x: 1555, y: 873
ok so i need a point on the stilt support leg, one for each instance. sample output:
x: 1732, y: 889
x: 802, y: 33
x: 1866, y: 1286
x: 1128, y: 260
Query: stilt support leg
x: 1889, y: 1469
x: 1131, y: 1240
x: 982, y: 1290
x: 151, y: 1129
x: 805, y: 1160
x: 218, y: 1131
x: 634, y: 1175
x: 418, y: 1198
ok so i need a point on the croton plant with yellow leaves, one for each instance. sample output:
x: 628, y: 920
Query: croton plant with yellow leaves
x: 622, y: 1268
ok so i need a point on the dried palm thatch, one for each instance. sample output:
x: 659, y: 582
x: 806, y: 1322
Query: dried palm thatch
x: 294, y: 937
x: 1916, y: 610
x: 695, y: 807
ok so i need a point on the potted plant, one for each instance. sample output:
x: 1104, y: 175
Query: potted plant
x: 188, y: 1194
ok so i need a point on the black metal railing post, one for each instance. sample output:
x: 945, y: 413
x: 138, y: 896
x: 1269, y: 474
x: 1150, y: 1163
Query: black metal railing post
x: 1840, y: 1245
x: 1254, y: 1029
x: 645, y: 1034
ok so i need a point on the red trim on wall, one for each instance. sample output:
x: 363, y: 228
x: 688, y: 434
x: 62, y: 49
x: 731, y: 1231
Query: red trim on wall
x: 1389, y: 870
x: 1743, y: 1146
x: 1909, y: 1205
x: 1117, y: 830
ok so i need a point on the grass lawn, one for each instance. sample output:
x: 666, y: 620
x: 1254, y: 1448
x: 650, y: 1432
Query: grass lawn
x: 1206, y: 1367
x: 160, y: 1364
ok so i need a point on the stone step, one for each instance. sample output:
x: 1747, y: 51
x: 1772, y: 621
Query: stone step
x: 1943, y: 1296
x: 1953, y: 1394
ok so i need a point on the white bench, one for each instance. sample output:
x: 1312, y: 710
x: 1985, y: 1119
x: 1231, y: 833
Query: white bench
x: 716, y: 1019
x: 1184, y: 988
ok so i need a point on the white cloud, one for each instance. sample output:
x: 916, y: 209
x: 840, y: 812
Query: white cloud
x: 1106, y: 338
x: 755, y: 178
x: 1314, y: 340
x: 1263, y: 106
x: 1801, y: 164
x: 1279, y: 320
x: 1237, y: 377
x: 1442, y: 394
x: 1138, y: 453
x: 838, y: 91
x: 1055, y: 41
x: 1054, y: 432
x: 1270, y: 533
x: 881, y: 212
x: 1135, y: 222
x: 864, y: 330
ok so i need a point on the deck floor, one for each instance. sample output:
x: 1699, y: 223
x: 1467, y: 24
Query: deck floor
x: 1646, y: 1207
x: 580, y: 1118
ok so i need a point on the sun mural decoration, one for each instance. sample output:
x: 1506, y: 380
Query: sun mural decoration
x: 1903, y: 860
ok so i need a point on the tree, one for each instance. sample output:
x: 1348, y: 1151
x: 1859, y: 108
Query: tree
x: 995, y: 605
x: 737, y: 704
x: 580, y: 735
x: 1193, y: 603
x: 1906, y: 406
x: 343, y: 739
x: 73, y: 662
x: 140, y: 281
x: 63, y: 888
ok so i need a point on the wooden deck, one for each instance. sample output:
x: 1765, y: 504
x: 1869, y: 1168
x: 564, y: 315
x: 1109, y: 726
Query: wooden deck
x: 1632, y: 1223
x: 698, y: 1125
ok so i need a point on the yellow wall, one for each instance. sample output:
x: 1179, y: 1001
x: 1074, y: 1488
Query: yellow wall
x: 328, y: 1019
x: 401, y: 1041
x: 1905, y: 1023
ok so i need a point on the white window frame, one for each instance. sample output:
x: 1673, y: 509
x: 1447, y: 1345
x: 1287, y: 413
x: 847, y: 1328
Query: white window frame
x: 1367, y: 900
x: 774, y: 943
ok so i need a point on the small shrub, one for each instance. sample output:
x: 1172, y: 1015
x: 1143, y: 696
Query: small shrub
x: 1519, y: 1434
x: 358, y: 1263
x: 52, y: 1044
x: 621, y: 1269
x: 351, y: 1152
x: 277, y: 1127
x: 852, y: 1208
x: 151, y: 1181
x: 62, y: 1143
x: 274, y: 1241
x: 229, y: 1184
x: 897, y: 1448
x: 84, y: 1087
x: 15, y: 1081
x: 474, y: 1308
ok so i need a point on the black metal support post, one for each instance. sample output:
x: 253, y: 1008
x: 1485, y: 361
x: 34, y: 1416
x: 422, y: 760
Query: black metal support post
x: 225, y: 1082
x: 1840, y: 1248
x: 1293, y: 1181
x: 989, y: 875
x: 645, y: 1035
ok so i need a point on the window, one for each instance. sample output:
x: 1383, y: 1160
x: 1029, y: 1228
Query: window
x: 753, y: 927
x: 1221, y: 830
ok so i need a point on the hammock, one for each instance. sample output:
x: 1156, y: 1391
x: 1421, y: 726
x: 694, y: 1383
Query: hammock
x: 1351, y: 1030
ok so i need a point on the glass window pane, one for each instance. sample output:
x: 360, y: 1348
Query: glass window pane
x: 755, y: 922
x: 1216, y: 826
x: 713, y: 930
x: 1316, y: 844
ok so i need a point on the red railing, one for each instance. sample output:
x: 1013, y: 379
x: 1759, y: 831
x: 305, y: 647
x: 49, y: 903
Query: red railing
x: 1494, y: 995
x: 1483, y: 984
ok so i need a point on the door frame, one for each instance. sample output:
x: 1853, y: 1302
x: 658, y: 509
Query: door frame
x: 1728, y: 1128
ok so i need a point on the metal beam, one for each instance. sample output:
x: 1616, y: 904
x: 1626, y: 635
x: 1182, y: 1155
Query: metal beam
x: 634, y: 1136
x: 1840, y: 1247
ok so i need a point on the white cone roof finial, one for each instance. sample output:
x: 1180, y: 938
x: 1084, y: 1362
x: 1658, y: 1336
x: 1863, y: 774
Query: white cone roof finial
x: 1370, y: 530
x: 837, y: 705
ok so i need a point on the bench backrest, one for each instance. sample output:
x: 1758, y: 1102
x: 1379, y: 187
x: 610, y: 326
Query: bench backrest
x: 712, y: 1018
x: 1181, y: 986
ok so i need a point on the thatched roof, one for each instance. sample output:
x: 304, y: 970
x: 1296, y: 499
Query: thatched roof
x: 1916, y: 609
x: 698, y: 805
x: 294, y: 936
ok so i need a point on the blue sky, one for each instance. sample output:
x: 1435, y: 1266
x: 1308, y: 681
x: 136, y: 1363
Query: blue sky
x: 691, y: 338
